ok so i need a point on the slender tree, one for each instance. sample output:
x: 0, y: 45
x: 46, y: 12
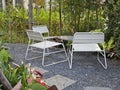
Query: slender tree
x: 13, y: 1
x: 50, y: 12
x: 60, y: 17
x: 3, y: 4
x: 30, y: 14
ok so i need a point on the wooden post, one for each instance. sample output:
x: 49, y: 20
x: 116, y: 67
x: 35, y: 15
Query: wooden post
x: 5, y: 82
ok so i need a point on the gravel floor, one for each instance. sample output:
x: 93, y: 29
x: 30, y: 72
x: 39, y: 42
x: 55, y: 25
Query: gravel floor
x: 86, y: 70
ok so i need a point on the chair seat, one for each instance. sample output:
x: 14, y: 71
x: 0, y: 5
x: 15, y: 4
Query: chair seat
x: 86, y: 47
x: 45, y: 44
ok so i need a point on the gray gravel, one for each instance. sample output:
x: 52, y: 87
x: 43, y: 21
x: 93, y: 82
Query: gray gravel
x: 86, y: 70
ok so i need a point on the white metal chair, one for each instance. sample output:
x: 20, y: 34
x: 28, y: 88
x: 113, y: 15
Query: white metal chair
x: 41, y: 28
x: 88, y: 42
x: 42, y: 44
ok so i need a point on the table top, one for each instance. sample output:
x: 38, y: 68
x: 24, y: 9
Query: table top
x: 70, y: 38
x: 66, y: 37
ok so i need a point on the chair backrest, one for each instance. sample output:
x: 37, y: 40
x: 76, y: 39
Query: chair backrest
x: 88, y: 37
x: 34, y: 35
x: 41, y: 29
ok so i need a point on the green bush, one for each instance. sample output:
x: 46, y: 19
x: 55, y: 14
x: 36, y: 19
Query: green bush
x: 113, y: 24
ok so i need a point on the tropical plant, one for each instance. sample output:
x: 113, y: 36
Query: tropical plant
x: 34, y: 86
x: 3, y: 58
x: 15, y: 74
x: 109, y: 45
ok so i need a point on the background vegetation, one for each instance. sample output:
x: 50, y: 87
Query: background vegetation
x: 112, y: 15
x: 64, y: 17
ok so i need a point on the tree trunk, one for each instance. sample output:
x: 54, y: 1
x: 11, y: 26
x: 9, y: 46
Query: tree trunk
x: 3, y: 4
x: 5, y: 82
x: 30, y: 14
x: 50, y: 12
x: 13, y: 1
x: 25, y: 4
x: 88, y: 13
x: 46, y: 5
x: 60, y: 18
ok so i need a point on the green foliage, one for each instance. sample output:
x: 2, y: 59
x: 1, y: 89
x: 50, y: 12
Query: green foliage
x: 110, y: 44
x: 13, y: 24
x: 82, y: 15
x: 76, y: 15
x: 34, y: 86
x: 0, y: 86
x: 24, y: 79
x: 12, y: 74
x: 3, y: 58
x: 41, y: 16
x: 112, y: 16
x: 3, y: 45
x: 15, y: 74
x: 79, y: 15
x: 4, y: 55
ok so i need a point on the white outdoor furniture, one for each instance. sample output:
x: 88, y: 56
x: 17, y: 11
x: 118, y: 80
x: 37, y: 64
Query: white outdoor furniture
x: 68, y: 38
x: 88, y: 42
x: 41, y: 29
x: 43, y: 43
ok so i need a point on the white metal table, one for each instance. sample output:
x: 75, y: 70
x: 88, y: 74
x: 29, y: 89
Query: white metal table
x: 68, y: 38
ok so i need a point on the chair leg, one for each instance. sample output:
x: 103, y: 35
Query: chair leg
x: 105, y: 62
x: 44, y: 54
x: 26, y: 52
x: 66, y: 54
x: 71, y: 54
x: 43, y: 58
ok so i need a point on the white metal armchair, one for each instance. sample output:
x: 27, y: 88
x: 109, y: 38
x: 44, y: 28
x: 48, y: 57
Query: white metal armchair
x: 88, y: 42
x: 44, y: 44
